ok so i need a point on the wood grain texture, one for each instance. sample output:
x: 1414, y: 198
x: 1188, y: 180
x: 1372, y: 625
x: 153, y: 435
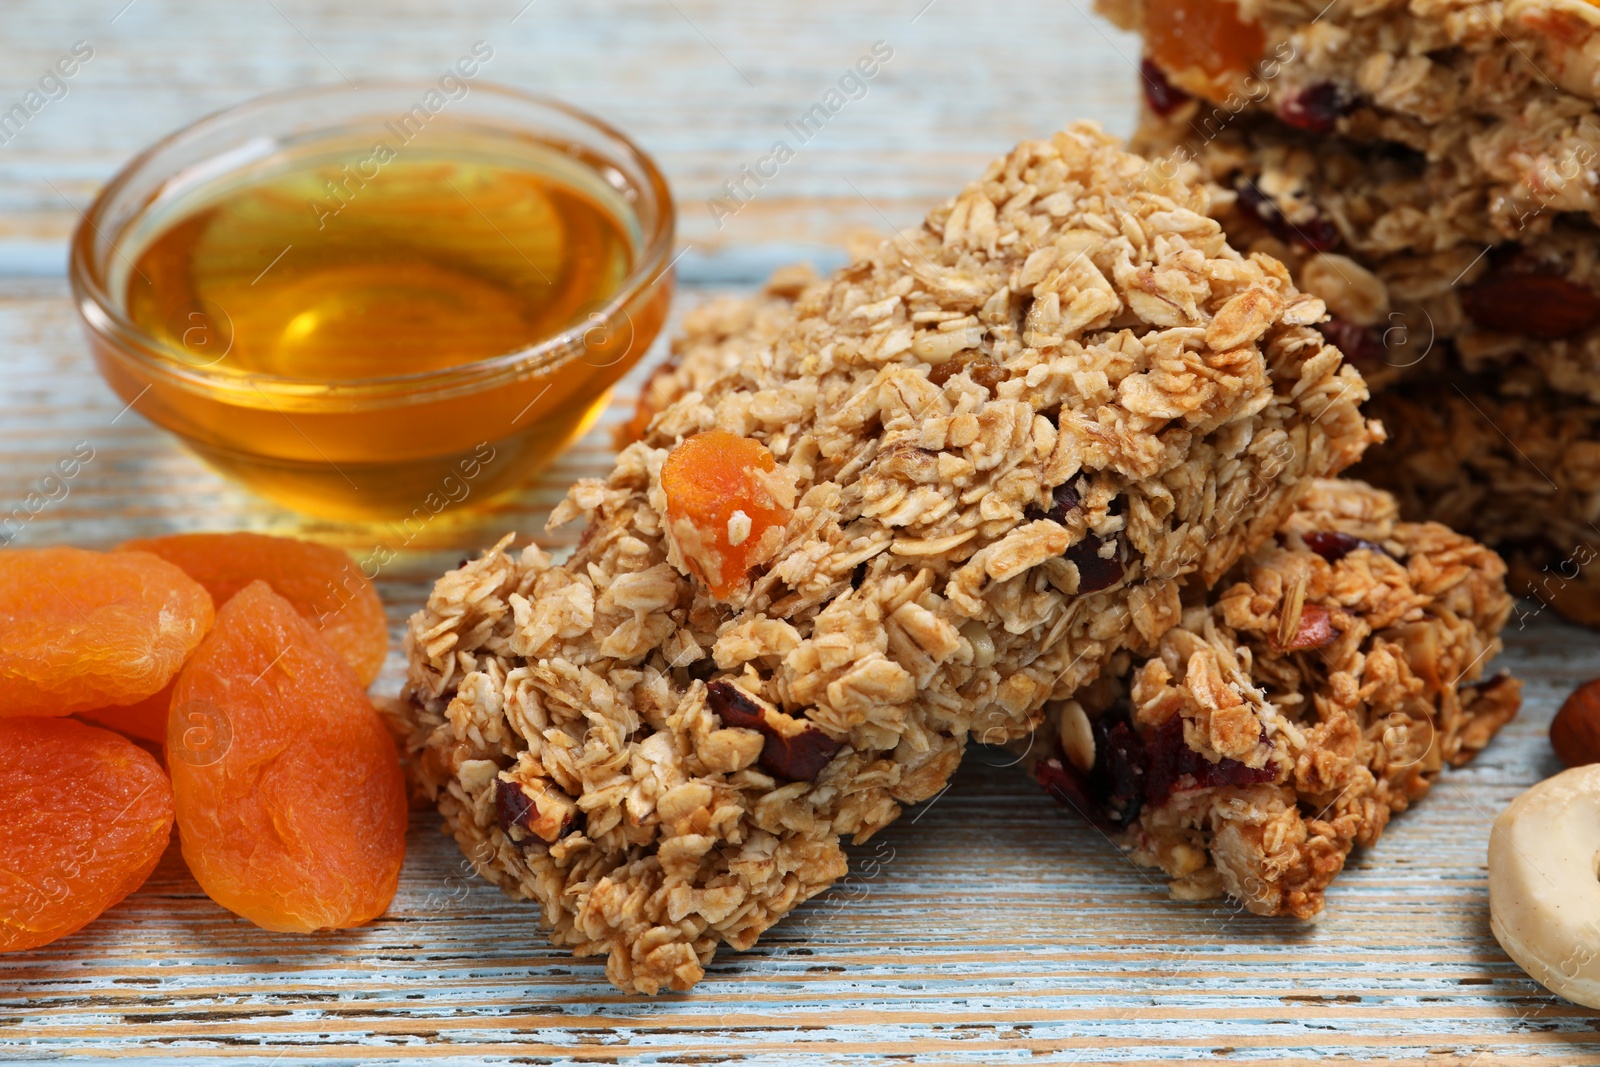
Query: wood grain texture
x: 987, y: 927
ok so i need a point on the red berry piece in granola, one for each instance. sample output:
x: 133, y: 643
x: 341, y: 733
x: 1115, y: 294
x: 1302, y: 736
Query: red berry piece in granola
x: 1160, y: 94
x: 1171, y: 766
x: 1317, y: 108
x: 793, y: 748
x: 1333, y: 545
x: 1317, y: 233
x: 1543, y: 306
x: 1361, y: 345
x: 1098, y: 567
x: 721, y: 506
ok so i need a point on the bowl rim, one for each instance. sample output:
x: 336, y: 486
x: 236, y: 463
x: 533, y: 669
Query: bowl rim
x: 102, y: 316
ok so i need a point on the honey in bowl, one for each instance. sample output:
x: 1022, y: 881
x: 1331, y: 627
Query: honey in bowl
x: 361, y: 331
x: 319, y: 274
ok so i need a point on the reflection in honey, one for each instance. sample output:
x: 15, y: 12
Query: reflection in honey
x: 321, y: 274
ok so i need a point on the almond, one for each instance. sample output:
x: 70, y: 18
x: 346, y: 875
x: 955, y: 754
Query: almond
x: 1575, y: 733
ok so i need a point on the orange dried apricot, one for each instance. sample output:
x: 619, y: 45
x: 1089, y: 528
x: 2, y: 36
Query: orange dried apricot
x: 145, y: 721
x: 722, y: 512
x: 1204, y: 46
x: 321, y: 582
x: 291, y: 802
x: 86, y: 629
x: 84, y: 818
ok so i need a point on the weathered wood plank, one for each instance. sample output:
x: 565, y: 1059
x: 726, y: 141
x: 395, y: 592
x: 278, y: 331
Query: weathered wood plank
x: 989, y: 927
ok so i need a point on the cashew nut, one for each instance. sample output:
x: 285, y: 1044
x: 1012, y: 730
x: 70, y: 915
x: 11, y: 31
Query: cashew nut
x: 1544, y: 883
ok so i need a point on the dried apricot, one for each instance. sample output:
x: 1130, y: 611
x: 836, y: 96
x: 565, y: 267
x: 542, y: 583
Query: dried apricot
x: 291, y: 802
x: 86, y: 629
x: 321, y: 582
x: 1205, y: 46
x: 146, y: 720
x: 84, y: 818
x: 723, y: 514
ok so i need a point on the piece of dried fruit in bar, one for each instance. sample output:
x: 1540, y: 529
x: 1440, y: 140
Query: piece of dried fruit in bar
x: 84, y: 817
x: 1160, y: 94
x: 722, y: 511
x: 1545, y: 306
x: 146, y: 720
x: 1316, y: 233
x: 82, y: 630
x: 1317, y: 108
x: 291, y: 803
x: 1333, y: 545
x: 792, y: 749
x: 1204, y: 45
x: 1096, y: 569
x: 1171, y: 766
x: 1361, y: 345
x: 322, y: 583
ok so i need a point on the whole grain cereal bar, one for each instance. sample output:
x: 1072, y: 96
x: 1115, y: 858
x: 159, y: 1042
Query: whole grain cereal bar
x: 1416, y: 275
x: 1520, y: 472
x: 976, y: 465
x: 1315, y: 693
x: 1504, y: 88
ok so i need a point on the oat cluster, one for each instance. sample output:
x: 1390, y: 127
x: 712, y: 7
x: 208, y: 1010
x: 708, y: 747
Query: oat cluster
x: 1004, y: 443
x: 1504, y: 89
x: 1395, y: 245
x: 1316, y: 692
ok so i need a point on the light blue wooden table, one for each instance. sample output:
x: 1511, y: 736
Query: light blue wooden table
x: 989, y: 928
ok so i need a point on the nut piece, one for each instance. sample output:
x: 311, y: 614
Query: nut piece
x: 1544, y: 883
x: 1313, y: 629
x: 1077, y: 735
x: 793, y: 749
x: 1575, y: 733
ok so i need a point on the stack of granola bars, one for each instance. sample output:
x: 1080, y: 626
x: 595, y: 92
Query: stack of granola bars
x: 1052, y: 472
x: 1432, y: 171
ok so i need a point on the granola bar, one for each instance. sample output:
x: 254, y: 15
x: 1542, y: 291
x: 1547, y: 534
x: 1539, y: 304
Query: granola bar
x: 1313, y: 695
x: 1504, y: 88
x: 1520, y: 472
x: 997, y: 448
x: 1416, y: 277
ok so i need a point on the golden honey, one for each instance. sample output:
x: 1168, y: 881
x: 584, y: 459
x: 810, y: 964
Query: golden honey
x: 364, y: 331
x: 319, y: 273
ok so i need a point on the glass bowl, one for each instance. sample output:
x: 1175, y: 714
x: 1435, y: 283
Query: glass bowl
x: 399, y: 446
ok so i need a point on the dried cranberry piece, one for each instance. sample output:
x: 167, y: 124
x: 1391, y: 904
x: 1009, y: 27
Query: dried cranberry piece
x: 1170, y: 761
x: 1111, y: 794
x: 1095, y: 572
x: 1063, y: 502
x: 1332, y: 545
x: 797, y: 753
x: 1131, y: 773
x: 1318, y: 234
x: 1543, y: 306
x: 1119, y: 771
x: 1317, y: 108
x: 513, y: 806
x: 1163, y: 97
x: 1361, y: 345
